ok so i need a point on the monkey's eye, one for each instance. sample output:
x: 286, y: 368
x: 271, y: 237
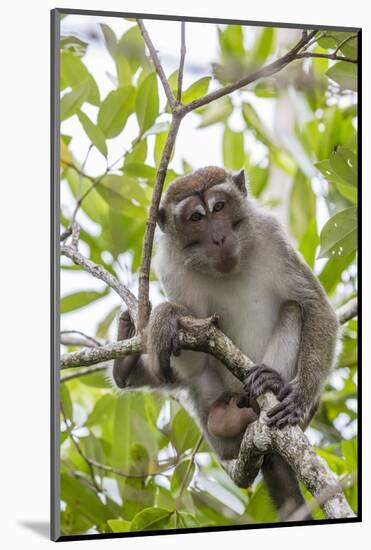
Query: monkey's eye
x: 196, y: 216
x: 218, y: 206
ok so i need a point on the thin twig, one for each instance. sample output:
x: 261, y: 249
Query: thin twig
x: 84, y: 371
x: 93, y: 341
x: 331, y: 56
x: 191, y: 462
x: 157, y: 64
x: 266, y: 71
x: 181, y: 64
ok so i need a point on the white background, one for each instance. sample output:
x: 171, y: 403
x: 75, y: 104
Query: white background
x: 25, y: 260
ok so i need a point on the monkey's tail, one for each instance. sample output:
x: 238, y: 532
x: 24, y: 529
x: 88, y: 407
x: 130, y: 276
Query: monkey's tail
x: 282, y: 486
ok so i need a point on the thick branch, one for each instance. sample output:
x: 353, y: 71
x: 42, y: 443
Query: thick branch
x: 100, y: 273
x: 92, y: 356
x: 157, y: 64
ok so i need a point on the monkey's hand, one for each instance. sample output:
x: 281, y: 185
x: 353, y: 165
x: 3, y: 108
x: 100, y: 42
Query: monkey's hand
x: 291, y: 409
x: 163, y: 339
x: 261, y: 379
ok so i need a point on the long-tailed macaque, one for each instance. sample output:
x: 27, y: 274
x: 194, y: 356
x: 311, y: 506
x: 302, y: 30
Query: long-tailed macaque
x: 219, y: 252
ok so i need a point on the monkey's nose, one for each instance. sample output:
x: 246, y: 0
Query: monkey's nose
x: 219, y: 241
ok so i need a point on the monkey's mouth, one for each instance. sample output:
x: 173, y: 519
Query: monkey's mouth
x: 227, y: 264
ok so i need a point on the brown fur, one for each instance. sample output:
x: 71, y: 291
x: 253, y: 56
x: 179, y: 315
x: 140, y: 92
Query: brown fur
x: 198, y: 181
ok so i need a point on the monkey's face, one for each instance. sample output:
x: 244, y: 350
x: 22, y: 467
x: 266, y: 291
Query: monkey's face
x: 207, y: 229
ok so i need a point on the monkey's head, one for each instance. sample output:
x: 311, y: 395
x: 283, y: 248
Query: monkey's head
x: 204, y: 214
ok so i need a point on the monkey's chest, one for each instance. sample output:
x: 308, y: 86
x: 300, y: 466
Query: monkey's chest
x: 248, y: 318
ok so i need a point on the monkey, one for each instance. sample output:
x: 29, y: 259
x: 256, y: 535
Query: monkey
x: 220, y: 252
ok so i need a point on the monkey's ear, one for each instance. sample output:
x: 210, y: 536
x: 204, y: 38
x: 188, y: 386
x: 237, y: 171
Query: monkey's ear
x: 161, y: 218
x: 239, y: 180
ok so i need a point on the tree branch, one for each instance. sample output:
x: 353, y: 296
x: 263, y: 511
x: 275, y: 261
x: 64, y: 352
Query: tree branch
x: 181, y: 64
x: 266, y: 71
x: 78, y: 338
x: 100, y: 273
x: 348, y: 311
x: 157, y: 64
x: 331, y: 56
x: 143, y: 291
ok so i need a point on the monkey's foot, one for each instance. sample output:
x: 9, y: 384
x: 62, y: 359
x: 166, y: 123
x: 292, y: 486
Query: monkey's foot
x: 261, y: 379
x: 290, y: 410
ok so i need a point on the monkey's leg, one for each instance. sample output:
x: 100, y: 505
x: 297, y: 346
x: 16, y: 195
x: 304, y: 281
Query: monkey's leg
x: 282, y: 486
x: 226, y: 419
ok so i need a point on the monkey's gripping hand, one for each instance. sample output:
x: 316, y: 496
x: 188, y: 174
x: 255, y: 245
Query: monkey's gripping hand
x: 261, y: 379
x: 291, y: 409
x: 163, y: 339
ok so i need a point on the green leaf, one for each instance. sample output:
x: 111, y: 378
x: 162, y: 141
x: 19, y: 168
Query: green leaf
x: 82, y: 499
x: 137, y: 154
x: 102, y: 411
x: 120, y: 192
x: 72, y: 101
x: 344, y: 74
x: 119, y: 525
x: 331, y: 274
x: 96, y: 380
x: 339, y: 235
x: 66, y: 401
x: 93, y: 132
x: 147, y: 102
x: 115, y: 110
x: 231, y: 41
x: 263, y: 46
x: 73, y: 72
x: 233, y: 149
x: 121, y: 439
x: 106, y: 322
x: 345, y: 164
x: 131, y: 47
x: 196, y: 90
x: 182, y: 476
x: 260, y: 507
x: 302, y: 205
x: 110, y: 39
x: 150, y: 519
x: 93, y: 448
x: 348, y: 190
x: 76, y: 300
x: 140, y: 170
x: 74, y: 45
x: 184, y: 433
x: 253, y: 122
x: 349, y: 450
x: 217, y: 111
x: 309, y: 242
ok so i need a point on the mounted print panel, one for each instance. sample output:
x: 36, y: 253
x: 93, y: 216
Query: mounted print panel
x: 205, y: 271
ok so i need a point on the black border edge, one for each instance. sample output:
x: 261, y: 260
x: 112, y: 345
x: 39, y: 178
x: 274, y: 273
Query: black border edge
x: 73, y: 11
x: 54, y: 320
x: 55, y: 534
x: 359, y: 271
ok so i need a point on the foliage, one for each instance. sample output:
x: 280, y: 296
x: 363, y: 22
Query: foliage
x: 179, y: 484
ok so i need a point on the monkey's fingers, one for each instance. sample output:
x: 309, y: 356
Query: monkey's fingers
x: 280, y: 411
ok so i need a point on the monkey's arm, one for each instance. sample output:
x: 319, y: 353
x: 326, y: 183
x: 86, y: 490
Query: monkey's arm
x: 279, y: 364
x: 132, y: 370
x: 315, y: 359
